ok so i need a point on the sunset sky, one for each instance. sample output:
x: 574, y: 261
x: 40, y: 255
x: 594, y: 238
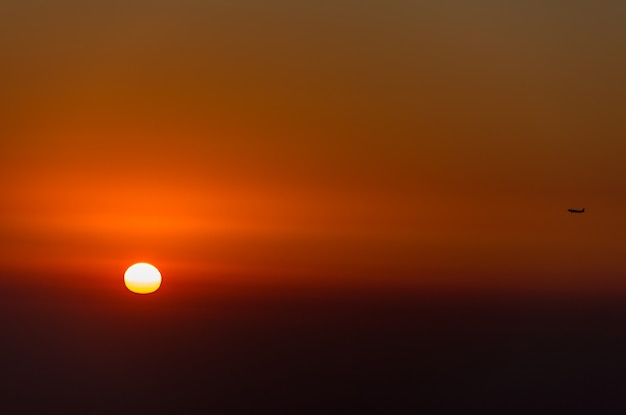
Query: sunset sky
x: 316, y: 139
x: 394, y: 145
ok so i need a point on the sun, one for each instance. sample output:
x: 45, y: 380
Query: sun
x: 142, y: 278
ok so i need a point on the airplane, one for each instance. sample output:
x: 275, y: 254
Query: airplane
x: 576, y: 211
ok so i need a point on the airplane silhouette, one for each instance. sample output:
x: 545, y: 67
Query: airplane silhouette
x: 576, y: 211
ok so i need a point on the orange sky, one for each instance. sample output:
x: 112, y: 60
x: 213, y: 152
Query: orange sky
x: 355, y: 142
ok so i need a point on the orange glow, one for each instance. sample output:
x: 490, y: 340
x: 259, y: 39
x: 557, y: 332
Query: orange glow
x: 351, y: 158
x: 142, y: 278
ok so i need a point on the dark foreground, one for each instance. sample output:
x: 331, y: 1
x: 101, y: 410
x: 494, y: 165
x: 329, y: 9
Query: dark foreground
x: 310, y: 351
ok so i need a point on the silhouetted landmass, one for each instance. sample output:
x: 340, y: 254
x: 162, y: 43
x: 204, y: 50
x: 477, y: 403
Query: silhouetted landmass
x: 312, y: 352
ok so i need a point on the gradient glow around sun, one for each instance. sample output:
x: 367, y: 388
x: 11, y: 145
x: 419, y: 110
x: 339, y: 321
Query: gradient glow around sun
x: 142, y: 278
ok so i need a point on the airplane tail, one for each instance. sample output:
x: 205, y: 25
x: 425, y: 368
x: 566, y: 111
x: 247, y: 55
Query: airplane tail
x: 583, y: 210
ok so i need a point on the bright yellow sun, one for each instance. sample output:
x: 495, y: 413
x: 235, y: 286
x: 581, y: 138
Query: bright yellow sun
x: 142, y: 278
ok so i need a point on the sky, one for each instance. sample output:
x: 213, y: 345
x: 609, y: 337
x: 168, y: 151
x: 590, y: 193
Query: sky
x: 251, y: 148
x: 321, y: 138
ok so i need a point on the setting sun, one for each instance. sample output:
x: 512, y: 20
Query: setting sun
x: 142, y: 278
